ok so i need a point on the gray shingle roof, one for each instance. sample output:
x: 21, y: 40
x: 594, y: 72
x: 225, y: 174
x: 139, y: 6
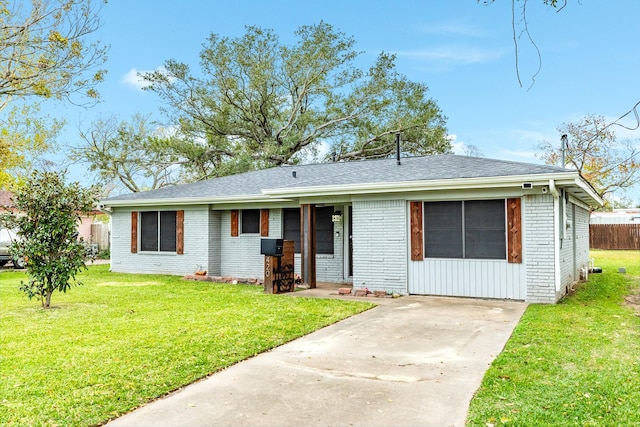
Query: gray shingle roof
x: 437, y: 167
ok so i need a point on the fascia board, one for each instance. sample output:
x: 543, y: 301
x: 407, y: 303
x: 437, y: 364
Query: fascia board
x: 583, y: 185
x: 188, y: 201
x: 411, y: 186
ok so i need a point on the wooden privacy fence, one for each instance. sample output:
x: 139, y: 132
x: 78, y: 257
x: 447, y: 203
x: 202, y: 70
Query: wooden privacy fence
x: 100, y: 235
x: 614, y: 236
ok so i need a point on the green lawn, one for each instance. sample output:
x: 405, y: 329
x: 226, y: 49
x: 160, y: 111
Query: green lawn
x: 576, y: 363
x: 122, y: 340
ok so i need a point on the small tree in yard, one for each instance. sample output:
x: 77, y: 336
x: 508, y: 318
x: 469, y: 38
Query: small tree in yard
x: 47, y: 226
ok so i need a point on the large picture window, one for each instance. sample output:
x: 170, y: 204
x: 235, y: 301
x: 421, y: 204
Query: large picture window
x: 158, y: 231
x: 472, y: 229
x: 324, y: 229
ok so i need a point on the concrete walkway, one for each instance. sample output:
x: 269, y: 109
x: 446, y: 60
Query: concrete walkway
x: 411, y: 361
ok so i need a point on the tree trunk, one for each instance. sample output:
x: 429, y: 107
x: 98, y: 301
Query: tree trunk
x: 47, y: 300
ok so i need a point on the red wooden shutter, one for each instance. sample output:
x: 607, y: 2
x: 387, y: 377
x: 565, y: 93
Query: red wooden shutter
x: 417, y: 243
x: 234, y: 223
x: 180, y: 232
x: 514, y: 231
x: 134, y: 232
x: 264, y: 222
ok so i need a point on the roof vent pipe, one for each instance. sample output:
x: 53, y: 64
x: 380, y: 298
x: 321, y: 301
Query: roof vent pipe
x: 398, y: 147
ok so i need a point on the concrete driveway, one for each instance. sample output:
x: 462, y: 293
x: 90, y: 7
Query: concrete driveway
x: 411, y: 361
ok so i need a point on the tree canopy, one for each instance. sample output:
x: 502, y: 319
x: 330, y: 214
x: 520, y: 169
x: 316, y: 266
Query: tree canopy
x: 47, y: 223
x: 259, y: 103
x: 592, y: 147
x: 130, y: 154
x: 45, y: 54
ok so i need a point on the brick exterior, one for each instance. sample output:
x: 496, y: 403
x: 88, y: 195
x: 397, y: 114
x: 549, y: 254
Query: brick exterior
x: 196, y: 247
x: 539, y: 246
x: 380, y: 245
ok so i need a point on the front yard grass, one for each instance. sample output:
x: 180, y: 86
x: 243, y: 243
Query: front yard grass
x: 576, y: 363
x: 122, y: 340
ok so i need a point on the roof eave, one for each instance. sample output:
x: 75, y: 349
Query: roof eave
x: 192, y: 201
x: 421, y: 185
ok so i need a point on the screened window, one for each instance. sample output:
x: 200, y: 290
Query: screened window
x: 251, y: 221
x: 473, y: 229
x: 443, y: 230
x: 158, y: 231
x: 324, y: 229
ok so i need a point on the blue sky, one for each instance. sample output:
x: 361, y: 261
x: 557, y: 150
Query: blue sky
x: 463, y: 51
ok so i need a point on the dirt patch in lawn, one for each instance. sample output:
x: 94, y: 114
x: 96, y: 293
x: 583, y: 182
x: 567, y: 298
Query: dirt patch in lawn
x: 633, y: 300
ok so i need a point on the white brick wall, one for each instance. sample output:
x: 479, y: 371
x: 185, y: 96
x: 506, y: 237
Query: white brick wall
x: 567, y: 274
x: 538, y: 248
x: 215, y: 260
x: 240, y: 256
x: 380, y: 245
x: 195, y: 257
x: 581, y: 225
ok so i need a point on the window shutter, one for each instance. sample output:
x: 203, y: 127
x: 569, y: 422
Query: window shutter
x: 180, y: 232
x: 234, y: 223
x: 417, y: 251
x: 514, y: 231
x: 134, y: 232
x: 264, y: 222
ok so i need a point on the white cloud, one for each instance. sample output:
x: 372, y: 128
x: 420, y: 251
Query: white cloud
x: 134, y: 78
x: 453, y: 55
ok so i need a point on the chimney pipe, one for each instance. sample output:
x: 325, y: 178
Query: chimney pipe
x: 398, y: 147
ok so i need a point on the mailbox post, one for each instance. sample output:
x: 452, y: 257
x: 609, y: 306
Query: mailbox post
x: 278, y: 265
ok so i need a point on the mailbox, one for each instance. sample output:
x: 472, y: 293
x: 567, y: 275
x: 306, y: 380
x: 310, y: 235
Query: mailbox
x: 271, y: 247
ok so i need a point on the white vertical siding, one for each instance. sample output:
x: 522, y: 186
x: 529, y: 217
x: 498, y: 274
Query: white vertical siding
x: 467, y: 278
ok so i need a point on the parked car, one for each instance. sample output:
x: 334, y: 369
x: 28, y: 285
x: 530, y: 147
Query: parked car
x: 7, y: 237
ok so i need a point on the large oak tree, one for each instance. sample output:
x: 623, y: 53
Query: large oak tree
x: 259, y: 103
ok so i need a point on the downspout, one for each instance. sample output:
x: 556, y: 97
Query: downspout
x: 556, y: 234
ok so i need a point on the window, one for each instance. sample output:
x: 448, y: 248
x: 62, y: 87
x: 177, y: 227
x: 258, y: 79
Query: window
x: 250, y: 221
x: 473, y: 229
x: 324, y: 229
x: 158, y: 231
x: 443, y: 230
x: 291, y: 228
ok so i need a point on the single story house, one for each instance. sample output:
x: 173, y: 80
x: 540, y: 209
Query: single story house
x: 436, y: 225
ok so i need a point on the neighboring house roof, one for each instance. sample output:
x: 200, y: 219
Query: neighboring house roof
x: 618, y: 216
x: 439, y: 172
x: 6, y: 201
